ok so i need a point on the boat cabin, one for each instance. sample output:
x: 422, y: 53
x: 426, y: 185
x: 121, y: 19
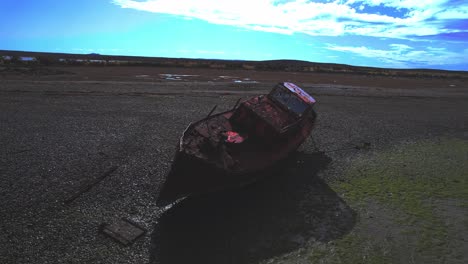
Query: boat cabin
x: 270, y: 117
x: 292, y: 98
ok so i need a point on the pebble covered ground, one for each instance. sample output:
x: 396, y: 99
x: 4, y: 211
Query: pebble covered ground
x: 79, y: 154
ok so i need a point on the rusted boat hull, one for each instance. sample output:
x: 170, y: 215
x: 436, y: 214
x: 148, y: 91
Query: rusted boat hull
x: 234, y: 148
x: 190, y: 175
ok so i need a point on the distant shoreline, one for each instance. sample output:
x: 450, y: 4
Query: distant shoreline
x: 15, y: 58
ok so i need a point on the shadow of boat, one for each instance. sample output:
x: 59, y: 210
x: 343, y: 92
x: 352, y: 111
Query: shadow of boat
x: 279, y: 214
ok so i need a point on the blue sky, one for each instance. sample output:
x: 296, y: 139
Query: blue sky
x: 381, y: 33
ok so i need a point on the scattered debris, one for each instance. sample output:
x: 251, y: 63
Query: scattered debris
x: 176, y: 77
x: 245, y: 81
x: 88, y: 187
x: 228, y: 77
x: 123, y: 231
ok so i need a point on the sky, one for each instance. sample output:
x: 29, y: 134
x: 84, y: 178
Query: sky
x: 379, y: 33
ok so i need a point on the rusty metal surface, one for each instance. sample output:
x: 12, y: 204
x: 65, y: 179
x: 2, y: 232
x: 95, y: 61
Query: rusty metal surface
x: 263, y: 110
x: 247, y: 139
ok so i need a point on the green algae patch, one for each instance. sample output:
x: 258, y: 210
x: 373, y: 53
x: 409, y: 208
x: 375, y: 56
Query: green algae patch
x: 351, y: 249
x: 410, y: 179
x: 411, y: 201
x: 410, y: 173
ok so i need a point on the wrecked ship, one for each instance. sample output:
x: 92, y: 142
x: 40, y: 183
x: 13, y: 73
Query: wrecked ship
x: 230, y: 148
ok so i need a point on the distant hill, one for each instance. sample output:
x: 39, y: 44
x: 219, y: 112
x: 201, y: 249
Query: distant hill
x: 57, y: 59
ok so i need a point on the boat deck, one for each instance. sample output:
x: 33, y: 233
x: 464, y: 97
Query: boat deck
x: 269, y: 112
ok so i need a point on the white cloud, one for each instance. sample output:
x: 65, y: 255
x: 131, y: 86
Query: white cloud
x: 400, y: 47
x: 460, y: 12
x: 334, y: 18
x: 400, y: 55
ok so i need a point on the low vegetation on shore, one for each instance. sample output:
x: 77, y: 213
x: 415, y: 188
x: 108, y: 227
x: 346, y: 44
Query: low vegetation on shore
x: 19, y: 58
x: 411, y: 202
